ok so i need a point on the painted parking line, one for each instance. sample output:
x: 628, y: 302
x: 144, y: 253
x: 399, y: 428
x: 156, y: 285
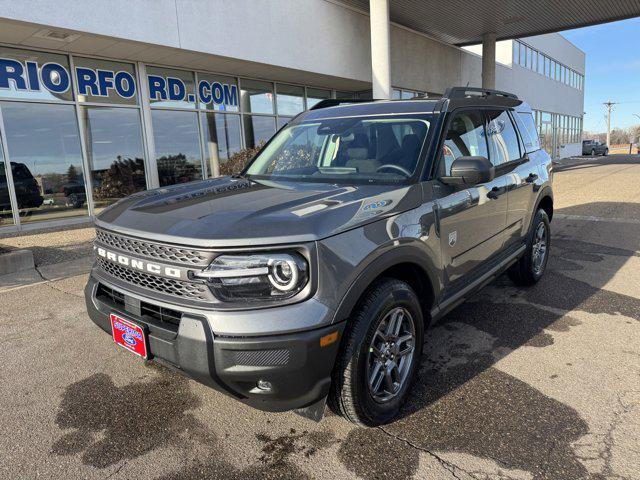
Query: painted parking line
x: 589, y: 218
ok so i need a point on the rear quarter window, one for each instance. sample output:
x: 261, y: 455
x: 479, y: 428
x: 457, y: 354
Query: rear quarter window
x: 528, y: 131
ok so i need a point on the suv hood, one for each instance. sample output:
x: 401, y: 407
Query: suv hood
x: 233, y: 212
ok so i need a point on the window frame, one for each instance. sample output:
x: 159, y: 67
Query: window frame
x: 433, y: 174
x: 522, y: 153
x: 523, y: 148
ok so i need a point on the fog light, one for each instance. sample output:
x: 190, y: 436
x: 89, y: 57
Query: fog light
x: 264, y: 385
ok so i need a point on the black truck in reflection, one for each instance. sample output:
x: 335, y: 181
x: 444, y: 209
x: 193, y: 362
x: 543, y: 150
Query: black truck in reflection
x: 27, y: 189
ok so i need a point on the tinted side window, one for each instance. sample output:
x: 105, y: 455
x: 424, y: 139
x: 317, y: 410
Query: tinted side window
x: 20, y: 171
x: 465, y: 137
x: 503, y: 139
x: 528, y: 131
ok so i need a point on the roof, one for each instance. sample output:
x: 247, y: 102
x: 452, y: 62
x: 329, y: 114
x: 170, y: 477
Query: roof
x: 373, y: 107
x: 454, y: 97
x: 461, y: 22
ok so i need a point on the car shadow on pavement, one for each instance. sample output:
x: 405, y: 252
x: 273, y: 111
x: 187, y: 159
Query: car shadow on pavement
x: 462, y: 403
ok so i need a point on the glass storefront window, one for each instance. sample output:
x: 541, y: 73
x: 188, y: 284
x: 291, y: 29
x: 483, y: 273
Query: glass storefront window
x: 217, y: 92
x: 344, y: 95
x: 113, y: 138
x: 315, y: 95
x: 46, y: 160
x: 221, y: 134
x: 365, y: 95
x: 171, y: 88
x: 257, y: 96
x: 6, y: 217
x: 290, y: 99
x: 258, y: 129
x: 35, y: 75
x: 118, y: 84
x: 282, y: 121
x: 177, y: 143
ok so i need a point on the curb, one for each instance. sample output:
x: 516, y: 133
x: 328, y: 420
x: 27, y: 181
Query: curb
x: 13, y: 261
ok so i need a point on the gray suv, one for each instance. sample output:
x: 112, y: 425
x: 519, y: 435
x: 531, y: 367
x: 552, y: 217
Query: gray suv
x: 313, y: 274
x: 594, y: 147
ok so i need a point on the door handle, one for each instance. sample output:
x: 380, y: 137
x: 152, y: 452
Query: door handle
x: 494, y: 193
x: 531, y: 178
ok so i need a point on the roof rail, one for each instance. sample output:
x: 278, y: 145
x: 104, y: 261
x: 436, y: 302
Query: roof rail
x: 463, y: 92
x: 334, y: 102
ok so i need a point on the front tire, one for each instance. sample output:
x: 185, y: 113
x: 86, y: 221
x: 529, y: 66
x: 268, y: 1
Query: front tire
x: 606, y: 152
x: 533, y: 263
x: 379, y: 355
x: 593, y: 152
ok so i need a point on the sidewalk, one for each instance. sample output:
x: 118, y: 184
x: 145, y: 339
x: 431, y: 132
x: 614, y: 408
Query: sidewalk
x: 59, y: 253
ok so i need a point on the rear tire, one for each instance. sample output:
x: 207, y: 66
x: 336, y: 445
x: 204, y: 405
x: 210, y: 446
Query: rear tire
x: 370, y: 349
x: 593, y: 152
x: 533, y: 263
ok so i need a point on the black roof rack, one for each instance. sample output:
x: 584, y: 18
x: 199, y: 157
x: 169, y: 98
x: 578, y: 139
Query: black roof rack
x: 334, y: 102
x: 450, y: 93
x: 465, y: 92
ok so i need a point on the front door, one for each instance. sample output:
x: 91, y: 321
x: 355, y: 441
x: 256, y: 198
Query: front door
x: 472, y: 219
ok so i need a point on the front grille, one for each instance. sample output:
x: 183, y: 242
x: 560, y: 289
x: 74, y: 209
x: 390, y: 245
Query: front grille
x: 154, y: 250
x: 110, y: 295
x: 177, y: 288
x: 116, y: 299
x: 165, y: 315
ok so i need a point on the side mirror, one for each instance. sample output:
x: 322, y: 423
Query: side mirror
x: 470, y: 171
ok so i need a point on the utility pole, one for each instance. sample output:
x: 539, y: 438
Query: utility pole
x: 609, y: 106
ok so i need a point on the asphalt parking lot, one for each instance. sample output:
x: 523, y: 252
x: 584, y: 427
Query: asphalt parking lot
x: 540, y: 383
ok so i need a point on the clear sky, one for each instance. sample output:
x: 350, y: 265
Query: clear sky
x: 613, y: 72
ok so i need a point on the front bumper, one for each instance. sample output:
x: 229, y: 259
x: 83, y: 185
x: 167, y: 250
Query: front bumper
x: 296, y: 366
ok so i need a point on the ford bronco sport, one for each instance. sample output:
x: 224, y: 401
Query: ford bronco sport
x: 313, y: 274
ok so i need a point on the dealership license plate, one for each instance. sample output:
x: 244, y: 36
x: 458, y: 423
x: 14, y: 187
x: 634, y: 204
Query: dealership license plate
x: 129, y: 335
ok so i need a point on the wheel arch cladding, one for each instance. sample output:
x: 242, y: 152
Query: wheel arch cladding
x: 546, y: 203
x: 406, y: 266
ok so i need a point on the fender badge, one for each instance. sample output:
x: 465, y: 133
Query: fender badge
x: 453, y: 238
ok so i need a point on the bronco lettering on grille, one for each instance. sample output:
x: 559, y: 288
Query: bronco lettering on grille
x: 141, y: 265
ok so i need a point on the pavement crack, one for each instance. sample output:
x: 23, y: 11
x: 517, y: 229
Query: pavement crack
x: 116, y: 471
x: 49, y: 283
x: 450, y: 467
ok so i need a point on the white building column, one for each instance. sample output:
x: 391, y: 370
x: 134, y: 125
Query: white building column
x: 380, y: 48
x: 489, y: 60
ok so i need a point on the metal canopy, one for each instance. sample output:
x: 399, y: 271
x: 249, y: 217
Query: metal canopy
x: 463, y: 22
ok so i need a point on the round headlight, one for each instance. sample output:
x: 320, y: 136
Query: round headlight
x: 283, y: 274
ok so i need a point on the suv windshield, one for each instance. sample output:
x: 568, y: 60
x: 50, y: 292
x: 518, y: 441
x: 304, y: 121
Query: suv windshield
x: 344, y: 150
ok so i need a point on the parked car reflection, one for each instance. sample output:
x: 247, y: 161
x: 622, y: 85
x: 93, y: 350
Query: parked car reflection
x: 42, y: 194
x: 26, y: 187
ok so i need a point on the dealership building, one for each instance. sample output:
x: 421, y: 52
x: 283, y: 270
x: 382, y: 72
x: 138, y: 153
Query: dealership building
x: 99, y: 100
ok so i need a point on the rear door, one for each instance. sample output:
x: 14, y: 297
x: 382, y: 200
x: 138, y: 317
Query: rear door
x: 509, y: 153
x: 472, y: 219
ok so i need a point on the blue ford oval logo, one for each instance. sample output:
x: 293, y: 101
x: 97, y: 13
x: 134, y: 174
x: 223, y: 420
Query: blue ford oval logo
x: 129, y: 339
x: 376, y: 205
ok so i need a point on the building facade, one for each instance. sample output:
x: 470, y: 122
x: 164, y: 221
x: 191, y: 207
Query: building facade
x: 137, y: 95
